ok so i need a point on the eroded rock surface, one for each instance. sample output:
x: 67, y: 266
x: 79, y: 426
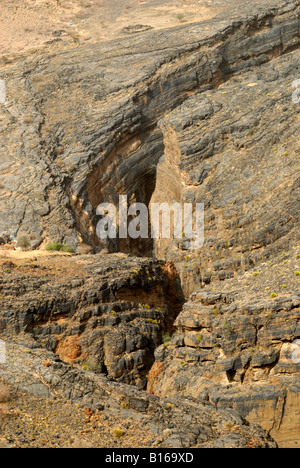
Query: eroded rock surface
x: 236, y: 353
x: 81, y: 127
x: 168, y: 418
x: 106, y: 312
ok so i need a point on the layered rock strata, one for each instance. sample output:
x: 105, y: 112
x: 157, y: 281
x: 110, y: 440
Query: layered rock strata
x: 81, y: 127
x: 108, y: 318
x: 236, y: 353
x: 40, y: 372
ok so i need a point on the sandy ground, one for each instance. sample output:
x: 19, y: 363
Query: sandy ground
x: 27, y: 25
x: 31, y: 254
x: 27, y: 421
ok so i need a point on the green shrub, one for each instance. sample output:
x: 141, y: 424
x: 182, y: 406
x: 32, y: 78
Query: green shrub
x: 67, y: 248
x: 58, y: 247
x: 125, y: 405
x: 118, y: 433
x: 150, y: 320
x: 91, y: 365
x: 228, y: 328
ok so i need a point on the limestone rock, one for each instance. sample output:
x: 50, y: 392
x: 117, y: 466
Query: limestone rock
x: 237, y: 354
x: 108, y: 318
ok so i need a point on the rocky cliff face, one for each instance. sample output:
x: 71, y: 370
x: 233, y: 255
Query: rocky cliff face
x: 84, y: 336
x: 81, y: 127
x: 237, y: 151
x: 201, y: 113
x: 237, y: 353
x: 108, y: 318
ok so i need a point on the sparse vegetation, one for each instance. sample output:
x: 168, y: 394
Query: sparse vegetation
x: 118, y: 433
x: 181, y: 17
x: 5, y: 59
x: 58, y: 247
x: 228, y: 328
x: 92, y: 365
x: 166, y: 338
x: 124, y: 405
x: 150, y: 320
x: 23, y: 241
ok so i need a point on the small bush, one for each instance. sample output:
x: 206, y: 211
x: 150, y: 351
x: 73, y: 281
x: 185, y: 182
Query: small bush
x: 92, y: 365
x: 23, y: 241
x: 58, y: 247
x: 118, y: 433
x: 150, y: 320
x: 228, y: 328
x: 181, y: 17
x: 297, y: 273
x: 273, y: 295
x: 166, y: 338
x: 125, y: 405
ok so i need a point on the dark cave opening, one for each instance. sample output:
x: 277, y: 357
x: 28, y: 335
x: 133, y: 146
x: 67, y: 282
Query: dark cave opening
x: 231, y: 375
x: 130, y: 171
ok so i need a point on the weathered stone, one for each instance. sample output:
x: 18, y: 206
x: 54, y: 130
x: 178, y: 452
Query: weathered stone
x: 116, y: 332
x: 251, y: 368
x: 205, y: 424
